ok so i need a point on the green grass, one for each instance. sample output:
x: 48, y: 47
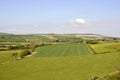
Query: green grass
x: 73, y: 49
x: 5, y: 56
x: 82, y: 67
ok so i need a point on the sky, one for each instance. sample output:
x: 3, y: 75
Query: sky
x: 60, y: 16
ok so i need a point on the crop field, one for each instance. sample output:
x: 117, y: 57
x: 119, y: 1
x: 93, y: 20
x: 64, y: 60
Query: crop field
x: 73, y: 49
x: 107, y: 47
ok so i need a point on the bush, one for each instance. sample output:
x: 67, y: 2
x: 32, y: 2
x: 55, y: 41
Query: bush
x: 13, y: 47
x: 25, y: 53
x: 14, y: 56
x: 18, y: 47
x: 92, y: 42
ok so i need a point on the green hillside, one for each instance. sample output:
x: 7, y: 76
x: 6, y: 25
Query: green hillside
x: 5, y: 37
x: 11, y: 38
x: 36, y: 37
x: 4, y: 33
x: 51, y: 37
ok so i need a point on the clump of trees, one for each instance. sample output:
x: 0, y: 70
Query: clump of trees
x: 92, y: 41
x: 20, y: 55
x: 25, y: 53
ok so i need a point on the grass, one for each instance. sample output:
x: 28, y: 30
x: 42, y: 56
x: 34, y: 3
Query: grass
x: 73, y: 49
x: 5, y: 56
x: 82, y: 67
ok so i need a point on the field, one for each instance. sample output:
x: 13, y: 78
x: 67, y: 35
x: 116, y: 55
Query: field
x: 107, y: 47
x: 82, y: 67
x: 73, y: 49
x: 61, y: 61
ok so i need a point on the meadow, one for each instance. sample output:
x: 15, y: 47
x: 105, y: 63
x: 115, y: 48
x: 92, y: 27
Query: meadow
x: 69, y: 49
x: 82, y: 67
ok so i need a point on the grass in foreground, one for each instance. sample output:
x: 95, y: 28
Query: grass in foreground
x: 82, y: 67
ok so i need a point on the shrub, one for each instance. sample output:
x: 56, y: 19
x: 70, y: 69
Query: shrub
x: 25, y: 53
x: 92, y: 42
x: 14, y: 56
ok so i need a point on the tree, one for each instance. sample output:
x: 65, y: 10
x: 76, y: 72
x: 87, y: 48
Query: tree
x: 33, y: 45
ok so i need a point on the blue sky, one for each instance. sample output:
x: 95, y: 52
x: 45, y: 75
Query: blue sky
x: 60, y: 16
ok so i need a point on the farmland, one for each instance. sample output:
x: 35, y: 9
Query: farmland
x: 73, y: 49
x: 69, y: 60
x: 107, y: 47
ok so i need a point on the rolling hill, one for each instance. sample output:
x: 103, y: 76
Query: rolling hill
x: 52, y: 37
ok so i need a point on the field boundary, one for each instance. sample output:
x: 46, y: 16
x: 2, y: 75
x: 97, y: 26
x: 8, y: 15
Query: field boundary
x: 91, y: 48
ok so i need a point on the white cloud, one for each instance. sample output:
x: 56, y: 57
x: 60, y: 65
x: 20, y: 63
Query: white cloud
x: 80, y: 21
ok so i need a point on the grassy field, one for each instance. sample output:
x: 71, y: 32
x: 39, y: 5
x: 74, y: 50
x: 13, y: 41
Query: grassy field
x: 82, y: 67
x: 69, y: 49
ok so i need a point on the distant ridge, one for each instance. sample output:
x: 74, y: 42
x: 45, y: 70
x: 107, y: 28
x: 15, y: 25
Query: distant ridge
x: 54, y: 37
x: 7, y: 37
x: 1, y: 33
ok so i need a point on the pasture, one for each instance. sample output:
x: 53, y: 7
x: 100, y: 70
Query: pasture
x: 82, y: 67
x: 69, y: 49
